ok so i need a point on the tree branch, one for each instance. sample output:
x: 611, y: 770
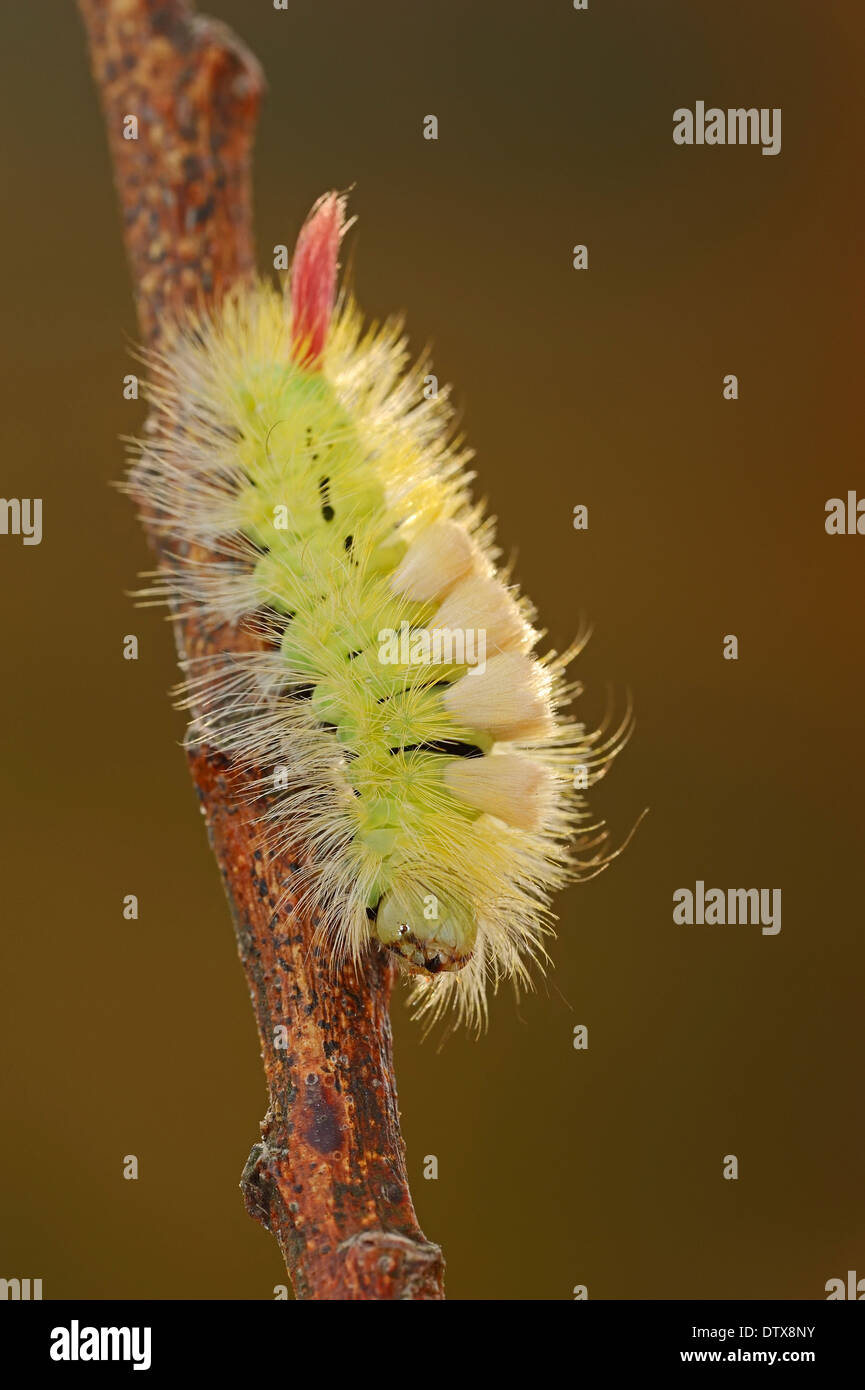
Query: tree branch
x: 328, y: 1177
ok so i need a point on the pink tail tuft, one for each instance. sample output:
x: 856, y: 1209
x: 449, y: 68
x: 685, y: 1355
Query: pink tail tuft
x: 313, y: 279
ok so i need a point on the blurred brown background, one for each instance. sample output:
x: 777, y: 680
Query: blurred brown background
x: 706, y: 517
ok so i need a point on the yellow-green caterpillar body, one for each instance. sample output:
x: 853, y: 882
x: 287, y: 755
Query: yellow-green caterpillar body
x: 416, y: 740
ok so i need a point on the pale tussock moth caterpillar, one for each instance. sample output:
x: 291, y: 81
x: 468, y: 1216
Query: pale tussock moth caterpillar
x: 298, y: 448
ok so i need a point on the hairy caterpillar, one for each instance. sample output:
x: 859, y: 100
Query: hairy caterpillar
x: 296, y: 448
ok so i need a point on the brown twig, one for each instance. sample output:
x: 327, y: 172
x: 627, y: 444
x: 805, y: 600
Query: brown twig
x: 328, y: 1177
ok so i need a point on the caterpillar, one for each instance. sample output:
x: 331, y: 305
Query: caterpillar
x: 312, y: 490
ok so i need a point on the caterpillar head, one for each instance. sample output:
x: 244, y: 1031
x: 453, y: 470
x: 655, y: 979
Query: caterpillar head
x: 427, y: 935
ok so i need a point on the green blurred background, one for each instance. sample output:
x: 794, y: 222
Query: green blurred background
x: 556, y: 1167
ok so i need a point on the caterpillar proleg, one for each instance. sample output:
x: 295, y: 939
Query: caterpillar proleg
x: 417, y: 741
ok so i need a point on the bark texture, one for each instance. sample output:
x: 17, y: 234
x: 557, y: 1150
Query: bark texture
x: 180, y: 96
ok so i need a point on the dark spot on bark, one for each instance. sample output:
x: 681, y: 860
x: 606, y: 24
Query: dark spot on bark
x: 321, y: 1124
